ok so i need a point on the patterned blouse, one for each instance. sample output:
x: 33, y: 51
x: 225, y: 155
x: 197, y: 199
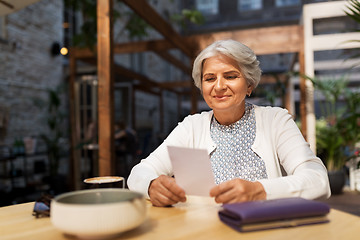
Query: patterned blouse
x: 233, y: 157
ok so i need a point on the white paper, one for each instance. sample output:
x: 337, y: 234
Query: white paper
x: 192, y: 170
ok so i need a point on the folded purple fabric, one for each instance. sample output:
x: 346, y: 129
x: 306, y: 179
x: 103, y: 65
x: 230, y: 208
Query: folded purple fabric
x: 285, y: 212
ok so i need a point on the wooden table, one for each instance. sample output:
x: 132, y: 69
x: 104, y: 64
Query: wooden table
x: 186, y: 221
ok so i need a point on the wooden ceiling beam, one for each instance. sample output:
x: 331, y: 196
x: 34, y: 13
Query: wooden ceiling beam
x: 142, y: 46
x: 266, y: 40
x: 123, y: 48
x: 146, y: 12
x: 82, y: 53
x: 178, y: 84
x: 174, y: 61
x: 134, y: 75
x: 122, y: 71
x: 159, y: 47
x: 145, y: 82
x: 147, y: 90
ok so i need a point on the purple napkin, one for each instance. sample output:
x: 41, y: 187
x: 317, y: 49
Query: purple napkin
x: 285, y: 212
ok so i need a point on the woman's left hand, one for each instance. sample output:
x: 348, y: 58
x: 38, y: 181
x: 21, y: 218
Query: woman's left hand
x: 238, y: 190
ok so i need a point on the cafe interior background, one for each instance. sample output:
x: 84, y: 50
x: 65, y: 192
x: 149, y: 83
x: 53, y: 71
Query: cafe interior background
x: 50, y: 82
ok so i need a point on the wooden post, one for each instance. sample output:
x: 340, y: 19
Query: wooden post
x: 74, y: 127
x: 194, y: 99
x: 194, y: 92
x: 105, y: 88
x: 288, y: 96
x: 303, y: 111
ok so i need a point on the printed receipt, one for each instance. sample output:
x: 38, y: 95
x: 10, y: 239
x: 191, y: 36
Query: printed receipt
x: 192, y: 170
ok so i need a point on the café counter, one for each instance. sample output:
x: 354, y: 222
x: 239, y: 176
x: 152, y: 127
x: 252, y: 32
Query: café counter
x: 184, y: 221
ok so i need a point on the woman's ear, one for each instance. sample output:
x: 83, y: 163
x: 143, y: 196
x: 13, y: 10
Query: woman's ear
x: 249, y: 90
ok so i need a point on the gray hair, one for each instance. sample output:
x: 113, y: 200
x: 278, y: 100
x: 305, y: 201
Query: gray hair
x: 243, y: 55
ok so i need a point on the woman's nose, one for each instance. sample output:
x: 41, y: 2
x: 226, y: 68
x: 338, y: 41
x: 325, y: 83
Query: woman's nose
x: 220, y: 84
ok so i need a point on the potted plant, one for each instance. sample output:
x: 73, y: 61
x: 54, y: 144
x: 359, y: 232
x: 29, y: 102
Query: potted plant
x: 329, y: 149
x: 338, y: 131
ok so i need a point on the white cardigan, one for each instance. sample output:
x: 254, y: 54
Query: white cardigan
x: 278, y: 142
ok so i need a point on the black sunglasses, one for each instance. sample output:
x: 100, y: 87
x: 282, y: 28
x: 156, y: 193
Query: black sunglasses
x: 42, y: 206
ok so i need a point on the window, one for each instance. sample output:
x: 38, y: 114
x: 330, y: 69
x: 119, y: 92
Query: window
x: 285, y: 3
x: 208, y: 6
x: 248, y: 5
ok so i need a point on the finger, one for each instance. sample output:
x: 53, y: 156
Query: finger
x: 155, y: 189
x: 176, y: 191
x: 231, y: 196
x: 161, y: 201
x: 226, y: 196
x: 229, y: 191
x: 160, y: 191
x: 239, y: 190
x: 166, y: 193
x: 221, y: 188
x: 159, y: 196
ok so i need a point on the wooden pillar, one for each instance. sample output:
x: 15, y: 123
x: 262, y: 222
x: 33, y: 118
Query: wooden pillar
x: 105, y: 88
x: 74, y: 127
x: 194, y: 98
x: 194, y: 93
x: 303, y: 110
x: 287, y: 98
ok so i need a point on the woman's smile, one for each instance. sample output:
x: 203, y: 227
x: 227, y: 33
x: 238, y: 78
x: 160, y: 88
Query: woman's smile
x: 221, y: 97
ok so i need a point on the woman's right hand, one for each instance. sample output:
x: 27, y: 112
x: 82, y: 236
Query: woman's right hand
x: 164, y: 191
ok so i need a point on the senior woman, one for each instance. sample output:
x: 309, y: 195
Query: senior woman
x: 248, y: 145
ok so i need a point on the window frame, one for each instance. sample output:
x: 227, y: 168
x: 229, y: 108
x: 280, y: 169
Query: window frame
x: 213, y: 10
x: 250, y: 2
x: 288, y: 4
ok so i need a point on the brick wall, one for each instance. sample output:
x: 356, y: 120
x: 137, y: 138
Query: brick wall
x: 27, y: 67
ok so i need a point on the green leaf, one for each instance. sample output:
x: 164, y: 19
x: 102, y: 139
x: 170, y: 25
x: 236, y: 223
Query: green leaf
x: 136, y: 26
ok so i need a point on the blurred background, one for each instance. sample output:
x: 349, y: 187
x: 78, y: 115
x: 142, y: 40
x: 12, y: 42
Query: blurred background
x: 49, y: 81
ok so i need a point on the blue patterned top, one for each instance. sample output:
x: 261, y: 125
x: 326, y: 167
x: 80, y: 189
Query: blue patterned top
x: 233, y: 156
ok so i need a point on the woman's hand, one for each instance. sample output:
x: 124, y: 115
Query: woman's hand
x: 238, y: 190
x: 164, y: 191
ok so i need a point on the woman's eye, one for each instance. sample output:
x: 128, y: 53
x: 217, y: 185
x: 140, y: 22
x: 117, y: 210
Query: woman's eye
x: 209, y: 79
x: 231, y: 77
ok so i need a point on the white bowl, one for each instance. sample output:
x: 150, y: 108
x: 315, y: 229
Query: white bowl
x: 98, y: 213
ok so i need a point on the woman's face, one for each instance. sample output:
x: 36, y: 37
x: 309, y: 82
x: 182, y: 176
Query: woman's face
x: 223, y: 86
